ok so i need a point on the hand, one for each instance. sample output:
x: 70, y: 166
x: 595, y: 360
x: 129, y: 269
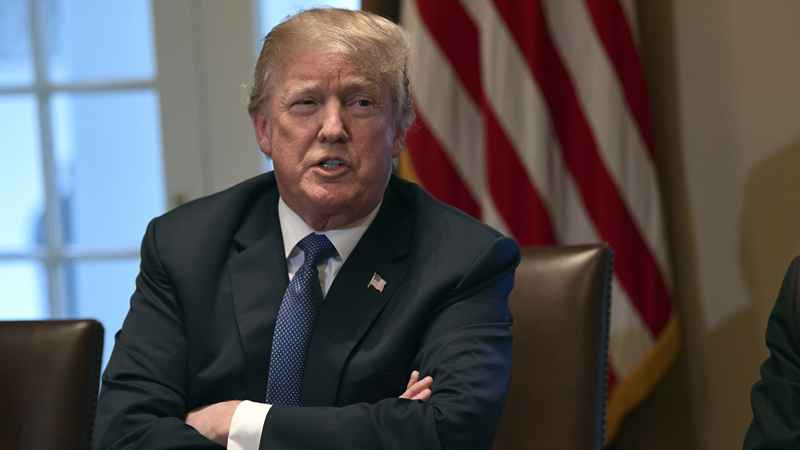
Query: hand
x: 213, y: 421
x: 418, y: 389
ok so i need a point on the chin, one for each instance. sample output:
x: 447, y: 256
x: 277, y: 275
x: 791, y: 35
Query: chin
x: 330, y: 194
x: 344, y: 205
x: 331, y: 204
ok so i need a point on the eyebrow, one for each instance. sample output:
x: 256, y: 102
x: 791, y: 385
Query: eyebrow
x: 348, y: 86
x: 361, y: 84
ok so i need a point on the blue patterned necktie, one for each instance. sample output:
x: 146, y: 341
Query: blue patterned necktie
x: 294, y: 322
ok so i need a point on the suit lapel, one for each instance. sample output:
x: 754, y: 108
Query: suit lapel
x: 352, y: 305
x: 259, y: 279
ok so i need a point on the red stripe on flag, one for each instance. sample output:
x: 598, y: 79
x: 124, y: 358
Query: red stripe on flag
x: 436, y: 172
x: 617, y: 37
x: 520, y: 205
x: 457, y: 37
x: 516, y: 198
x: 635, y: 266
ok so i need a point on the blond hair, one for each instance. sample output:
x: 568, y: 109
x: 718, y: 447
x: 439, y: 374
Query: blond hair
x: 370, y: 42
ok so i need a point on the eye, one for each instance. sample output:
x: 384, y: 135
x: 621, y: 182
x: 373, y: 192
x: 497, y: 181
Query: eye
x: 360, y: 100
x: 361, y: 105
x: 303, y: 105
x: 304, y: 102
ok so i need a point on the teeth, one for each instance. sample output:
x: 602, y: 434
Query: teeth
x: 332, y: 163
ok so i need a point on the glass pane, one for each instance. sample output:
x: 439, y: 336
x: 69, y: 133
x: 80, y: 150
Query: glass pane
x: 102, y: 290
x: 108, y: 158
x: 21, y: 187
x: 272, y: 12
x: 90, y: 40
x: 15, y: 49
x: 22, y: 291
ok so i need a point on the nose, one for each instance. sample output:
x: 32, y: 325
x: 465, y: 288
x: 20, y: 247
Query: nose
x: 333, y: 129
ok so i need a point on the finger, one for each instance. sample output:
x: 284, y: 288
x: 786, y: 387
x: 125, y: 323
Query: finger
x: 413, y: 379
x: 425, y: 382
x: 421, y: 384
x: 417, y: 387
x: 425, y: 395
x: 410, y: 391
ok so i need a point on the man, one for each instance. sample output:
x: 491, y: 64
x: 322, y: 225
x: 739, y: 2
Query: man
x: 314, y: 291
x: 776, y: 397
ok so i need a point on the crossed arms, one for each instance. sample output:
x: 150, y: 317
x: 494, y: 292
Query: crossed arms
x: 149, y: 398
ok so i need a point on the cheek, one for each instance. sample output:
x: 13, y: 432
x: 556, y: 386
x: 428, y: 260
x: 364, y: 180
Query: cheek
x: 377, y: 160
x: 290, y: 142
x: 380, y: 135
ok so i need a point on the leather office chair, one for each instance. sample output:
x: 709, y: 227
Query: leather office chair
x: 557, y: 394
x: 49, y: 373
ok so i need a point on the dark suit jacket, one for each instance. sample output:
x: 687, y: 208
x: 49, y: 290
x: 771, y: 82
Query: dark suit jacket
x: 200, y: 327
x: 776, y: 397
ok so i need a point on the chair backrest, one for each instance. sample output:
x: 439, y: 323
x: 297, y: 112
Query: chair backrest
x: 561, y: 305
x: 49, y: 373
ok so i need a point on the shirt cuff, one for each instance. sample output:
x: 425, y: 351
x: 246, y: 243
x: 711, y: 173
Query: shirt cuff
x: 247, y: 425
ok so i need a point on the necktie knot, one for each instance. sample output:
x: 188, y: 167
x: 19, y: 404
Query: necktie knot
x: 316, y: 246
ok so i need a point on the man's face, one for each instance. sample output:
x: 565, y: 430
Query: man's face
x: 331, y: 135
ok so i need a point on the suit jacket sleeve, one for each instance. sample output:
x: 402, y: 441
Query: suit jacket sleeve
x: 776, y: 397
x: 467, y: 350
x: 143, y: 399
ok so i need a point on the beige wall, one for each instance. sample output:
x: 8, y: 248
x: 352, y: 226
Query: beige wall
x: 724, y: 78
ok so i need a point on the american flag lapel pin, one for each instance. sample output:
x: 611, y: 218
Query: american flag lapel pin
x: 376, y: 282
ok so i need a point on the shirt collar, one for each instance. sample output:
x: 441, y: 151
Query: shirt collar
x: 294, y: 229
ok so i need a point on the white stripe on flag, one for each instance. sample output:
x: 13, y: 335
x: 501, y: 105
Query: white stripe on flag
x: 515, y: 99
x: 517, y: 102
x: 619, y: 141
x: 453, y: 117
x: 629, y: 8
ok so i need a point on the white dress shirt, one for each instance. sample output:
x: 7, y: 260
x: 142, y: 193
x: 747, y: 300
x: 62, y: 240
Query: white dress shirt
x: 248, y: 419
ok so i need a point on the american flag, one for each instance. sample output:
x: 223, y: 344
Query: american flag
x: 533, y: 116
x: 377, y: 282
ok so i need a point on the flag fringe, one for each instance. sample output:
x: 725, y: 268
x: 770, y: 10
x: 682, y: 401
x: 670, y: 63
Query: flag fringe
x: 629, y: 392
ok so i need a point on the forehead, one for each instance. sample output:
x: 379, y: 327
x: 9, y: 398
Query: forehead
x: 309, y: 68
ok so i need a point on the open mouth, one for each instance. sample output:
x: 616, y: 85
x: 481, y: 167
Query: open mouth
x: 331, y: 164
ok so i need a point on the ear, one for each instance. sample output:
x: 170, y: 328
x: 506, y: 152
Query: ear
x: 261, y: 127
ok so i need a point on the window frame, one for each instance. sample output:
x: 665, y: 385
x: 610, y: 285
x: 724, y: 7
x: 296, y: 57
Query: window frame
x: 204, y: 55
x: 53, y: 253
